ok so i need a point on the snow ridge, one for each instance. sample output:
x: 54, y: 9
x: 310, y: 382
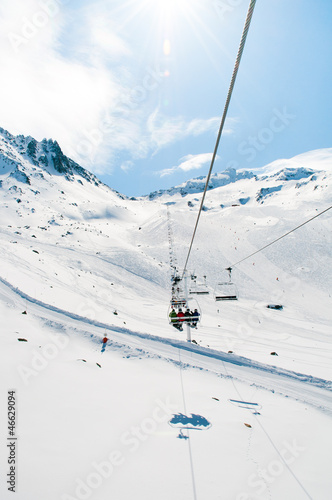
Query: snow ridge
x: 24, y: 157
x: 197, y: 185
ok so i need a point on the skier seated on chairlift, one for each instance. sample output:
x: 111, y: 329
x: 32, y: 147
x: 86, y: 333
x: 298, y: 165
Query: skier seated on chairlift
x: 194, y: 318
x: 187, y: 316
x: 181, y: 316
x: 174, y: 319
x: 173, y: 316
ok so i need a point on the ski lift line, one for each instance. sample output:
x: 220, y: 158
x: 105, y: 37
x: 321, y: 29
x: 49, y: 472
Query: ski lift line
x: 286, y: 464
x: 281, y: 237
x: 188, y: 435
x: 223, y: 119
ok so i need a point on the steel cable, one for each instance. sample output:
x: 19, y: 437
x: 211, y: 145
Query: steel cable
x: 229, y: 95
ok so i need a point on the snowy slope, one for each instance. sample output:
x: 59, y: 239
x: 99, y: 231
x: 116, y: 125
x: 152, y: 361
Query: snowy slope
x: 84, y: 261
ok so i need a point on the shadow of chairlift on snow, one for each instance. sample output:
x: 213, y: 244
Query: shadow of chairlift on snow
x: 194, y: 422
x: 247, y: 405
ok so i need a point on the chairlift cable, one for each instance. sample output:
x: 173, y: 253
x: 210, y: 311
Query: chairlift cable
x: 230, y: 91
x: 179, y: 295
x: 282, y: 459
x: 229, y: 95
x: 188, y: 431
x: 280, y: 238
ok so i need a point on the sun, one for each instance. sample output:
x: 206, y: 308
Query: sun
x: 169, y: 24
x: 172, y: 10
x: 172, y: 5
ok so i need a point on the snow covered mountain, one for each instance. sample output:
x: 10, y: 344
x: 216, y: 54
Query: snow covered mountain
x: 82, y: 261
x: 301, y: 167
x: 23, y: 158
x: 197, y: 185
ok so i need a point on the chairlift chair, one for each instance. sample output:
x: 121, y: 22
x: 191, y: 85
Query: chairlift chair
x: 226, y: 290
x: 198, y: 288
x: 178, y: 303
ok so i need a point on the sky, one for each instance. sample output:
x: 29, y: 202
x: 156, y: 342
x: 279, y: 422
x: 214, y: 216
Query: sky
x: 134, y: 90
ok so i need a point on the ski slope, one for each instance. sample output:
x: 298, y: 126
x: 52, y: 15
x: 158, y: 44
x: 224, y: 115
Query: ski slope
x: 83, y: 262
x: 81, y: 418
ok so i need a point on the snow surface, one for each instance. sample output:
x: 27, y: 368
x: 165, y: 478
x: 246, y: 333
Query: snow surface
x: 84, y: 261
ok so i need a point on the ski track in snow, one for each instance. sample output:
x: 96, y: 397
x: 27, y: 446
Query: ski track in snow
x: 300, y: 387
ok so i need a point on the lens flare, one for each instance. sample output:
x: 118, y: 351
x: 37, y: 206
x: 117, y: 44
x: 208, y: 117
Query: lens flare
x: 167, y: 47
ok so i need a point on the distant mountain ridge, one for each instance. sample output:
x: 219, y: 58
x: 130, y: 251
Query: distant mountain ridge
x: 24, y: 157
x: 284, y: 170
x: 197, y: 185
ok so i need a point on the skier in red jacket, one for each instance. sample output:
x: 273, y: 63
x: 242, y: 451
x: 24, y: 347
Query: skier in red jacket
x: 180, y: 315
x: 105, y: 339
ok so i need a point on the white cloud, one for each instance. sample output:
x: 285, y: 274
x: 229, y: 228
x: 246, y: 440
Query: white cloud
x: 164, y: 130
x: 188, y: 163
x: 129, y: 132
x: 68, y: 75
x: 45, y: 91
x: 93, y: 37
x: 127, y: 166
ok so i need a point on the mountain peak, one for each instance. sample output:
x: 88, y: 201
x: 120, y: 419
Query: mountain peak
x: 25, y: 155
x: 196, y: 185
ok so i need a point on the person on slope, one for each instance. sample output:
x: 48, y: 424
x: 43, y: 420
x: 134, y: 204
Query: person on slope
x: 103, y: 347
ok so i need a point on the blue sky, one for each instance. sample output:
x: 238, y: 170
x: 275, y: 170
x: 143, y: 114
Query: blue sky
x: 134, y: 90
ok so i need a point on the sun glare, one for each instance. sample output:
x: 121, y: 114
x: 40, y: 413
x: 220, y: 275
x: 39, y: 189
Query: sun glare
x: 170, y: 25
x: 171, y: 5
x: 171, y: 10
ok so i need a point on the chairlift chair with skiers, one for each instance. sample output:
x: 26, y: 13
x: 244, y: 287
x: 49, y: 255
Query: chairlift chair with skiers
x: 182, y: 310
x: 183, y: 313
